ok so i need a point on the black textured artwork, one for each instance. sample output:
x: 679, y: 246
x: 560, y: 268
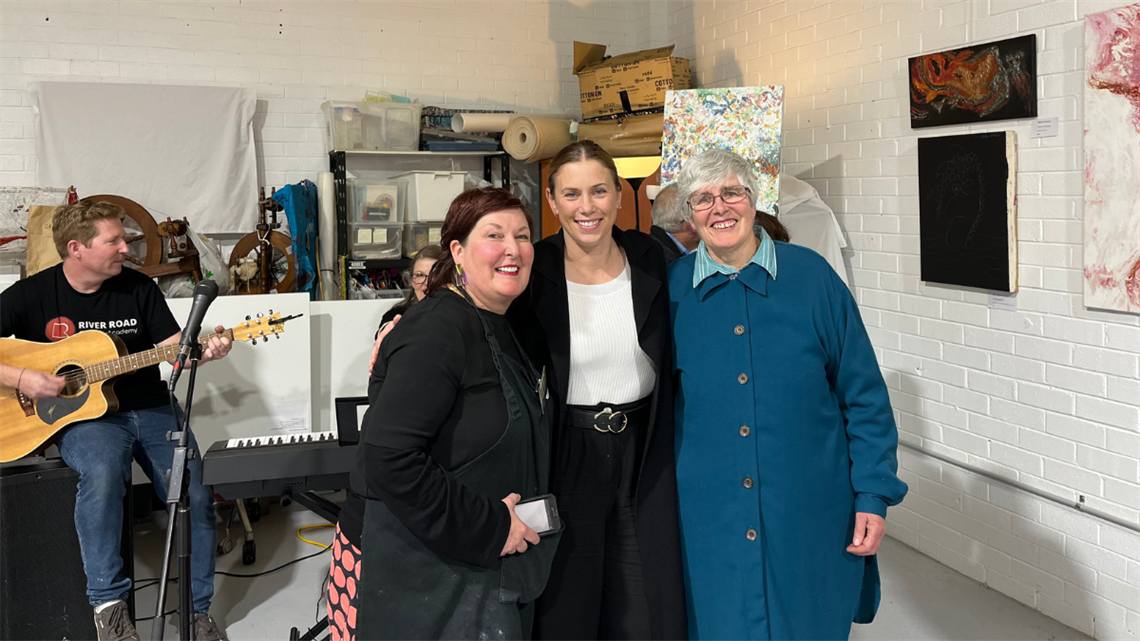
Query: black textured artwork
x: 966, y: 210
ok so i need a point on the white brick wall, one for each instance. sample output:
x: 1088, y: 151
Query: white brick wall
x: 1048, y: 395
x: 512, y: 54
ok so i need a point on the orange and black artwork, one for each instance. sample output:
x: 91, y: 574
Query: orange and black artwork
x: 993, y: 81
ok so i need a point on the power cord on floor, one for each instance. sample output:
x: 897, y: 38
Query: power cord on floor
x: 323, y: 594
x: 309, y: 527
x: 280, y: 567
x: 151, y: 582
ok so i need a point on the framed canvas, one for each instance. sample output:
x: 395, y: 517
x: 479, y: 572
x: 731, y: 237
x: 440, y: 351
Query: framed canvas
x: 993, y: 81
x: 967, y: 210
x: 745, y: 120
x: 1112, y: 156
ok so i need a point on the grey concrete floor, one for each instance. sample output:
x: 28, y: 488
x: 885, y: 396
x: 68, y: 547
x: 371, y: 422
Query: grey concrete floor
x: 922, y: 599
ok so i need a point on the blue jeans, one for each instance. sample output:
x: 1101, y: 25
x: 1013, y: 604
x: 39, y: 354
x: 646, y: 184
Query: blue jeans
x: 101, y: 452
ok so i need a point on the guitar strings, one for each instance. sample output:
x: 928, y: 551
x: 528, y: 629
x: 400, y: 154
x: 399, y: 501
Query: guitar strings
x: 80, y: 377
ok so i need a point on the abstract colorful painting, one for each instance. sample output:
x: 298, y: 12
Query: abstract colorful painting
x: 745, y: 120
x: 967, y: 210
x: 1112, y: 159
x: 993, y: 81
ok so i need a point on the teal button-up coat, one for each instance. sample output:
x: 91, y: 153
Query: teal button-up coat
x: 783, y: 432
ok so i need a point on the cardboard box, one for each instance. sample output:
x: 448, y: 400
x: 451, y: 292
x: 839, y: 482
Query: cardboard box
x: 629, y: 82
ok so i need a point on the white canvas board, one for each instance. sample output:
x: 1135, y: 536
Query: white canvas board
x: 257, y: 390
x: 342, y: 336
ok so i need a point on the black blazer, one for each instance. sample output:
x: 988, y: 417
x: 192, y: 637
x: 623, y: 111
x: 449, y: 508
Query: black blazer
x: 668, y: 245
x: 541, y: 319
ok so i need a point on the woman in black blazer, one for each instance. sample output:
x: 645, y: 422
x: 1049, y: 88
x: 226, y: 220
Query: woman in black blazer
x: 596, y: 313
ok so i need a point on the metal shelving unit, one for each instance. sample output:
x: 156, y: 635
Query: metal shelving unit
x: 338, y: 165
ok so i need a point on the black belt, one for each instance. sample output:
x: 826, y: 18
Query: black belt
x: 608, y: 417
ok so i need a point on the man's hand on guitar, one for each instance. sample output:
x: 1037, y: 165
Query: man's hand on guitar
x: 218, y: 346
x: 37, y: 384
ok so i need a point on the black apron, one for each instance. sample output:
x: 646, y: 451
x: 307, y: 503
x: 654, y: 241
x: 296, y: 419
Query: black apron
x: 409, y: 592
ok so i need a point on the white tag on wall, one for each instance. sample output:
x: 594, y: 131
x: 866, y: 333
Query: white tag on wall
x: 1045, y: 128
x: 1007, y: 302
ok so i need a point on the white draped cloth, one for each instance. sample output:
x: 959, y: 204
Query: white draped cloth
x: 811, y: 223
x: 179, y: 151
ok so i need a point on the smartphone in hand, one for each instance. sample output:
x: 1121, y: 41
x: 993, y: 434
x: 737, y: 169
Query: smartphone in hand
x: 540, y: 513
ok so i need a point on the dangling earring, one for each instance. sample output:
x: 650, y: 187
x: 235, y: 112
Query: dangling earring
x: 460, y: 277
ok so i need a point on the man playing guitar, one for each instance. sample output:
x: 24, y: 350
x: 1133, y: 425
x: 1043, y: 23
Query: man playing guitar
x: 91, y: 290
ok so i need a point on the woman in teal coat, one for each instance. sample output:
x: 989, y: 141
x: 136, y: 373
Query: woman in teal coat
x: 785, y: 438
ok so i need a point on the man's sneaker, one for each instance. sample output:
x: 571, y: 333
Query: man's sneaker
x: 206, y: 629
x: 113, y: 623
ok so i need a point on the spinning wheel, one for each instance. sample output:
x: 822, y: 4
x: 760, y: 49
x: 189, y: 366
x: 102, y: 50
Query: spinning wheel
x: 262, y: 261
x: 247, y: 255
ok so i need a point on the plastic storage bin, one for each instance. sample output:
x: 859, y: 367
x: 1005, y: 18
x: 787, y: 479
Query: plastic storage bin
x: 430, y: 193
x: 376, y: 126
x: 420, y: 235
x: 375, y: 240
x: 377, y: 201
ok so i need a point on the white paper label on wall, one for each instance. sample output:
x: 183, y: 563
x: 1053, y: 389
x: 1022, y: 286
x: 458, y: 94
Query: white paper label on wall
x: 1045, y: 128
x: 1006, y: 302
x: 364, y: 236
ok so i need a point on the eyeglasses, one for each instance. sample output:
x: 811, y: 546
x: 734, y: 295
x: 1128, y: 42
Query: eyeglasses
x: 729, y: 195
x: 419, y: 278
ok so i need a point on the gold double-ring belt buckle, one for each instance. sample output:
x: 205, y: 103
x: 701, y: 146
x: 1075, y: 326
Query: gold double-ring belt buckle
x: 610, y: 422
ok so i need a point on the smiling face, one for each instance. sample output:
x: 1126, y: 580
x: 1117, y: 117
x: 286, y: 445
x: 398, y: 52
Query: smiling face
x: 106, y: 253
x: 726, y: 229
x: 496, y: 259
x: 586, y: 200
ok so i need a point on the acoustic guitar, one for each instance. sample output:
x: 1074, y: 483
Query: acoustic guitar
x: 90, y: 361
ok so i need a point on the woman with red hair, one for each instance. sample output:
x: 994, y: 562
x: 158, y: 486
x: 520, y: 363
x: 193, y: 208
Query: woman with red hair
x: 428, y: 545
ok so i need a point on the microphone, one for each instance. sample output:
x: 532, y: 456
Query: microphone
x: 204, y: 294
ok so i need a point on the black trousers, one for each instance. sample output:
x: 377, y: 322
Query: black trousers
x: 596, y: 588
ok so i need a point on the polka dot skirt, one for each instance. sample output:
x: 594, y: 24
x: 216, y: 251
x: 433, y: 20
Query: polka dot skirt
x: 344, y: 574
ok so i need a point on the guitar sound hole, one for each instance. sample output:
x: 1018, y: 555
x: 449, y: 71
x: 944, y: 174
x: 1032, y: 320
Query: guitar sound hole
x: 76, y: 380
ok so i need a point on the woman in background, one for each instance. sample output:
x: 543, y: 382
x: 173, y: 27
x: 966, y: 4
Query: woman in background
x: 418, y: 277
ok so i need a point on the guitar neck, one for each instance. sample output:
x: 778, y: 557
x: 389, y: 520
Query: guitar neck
x: 134, y: 362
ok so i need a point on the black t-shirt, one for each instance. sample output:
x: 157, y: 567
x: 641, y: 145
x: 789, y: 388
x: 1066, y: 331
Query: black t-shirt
x: 436, y: 403
x: 44, y: 308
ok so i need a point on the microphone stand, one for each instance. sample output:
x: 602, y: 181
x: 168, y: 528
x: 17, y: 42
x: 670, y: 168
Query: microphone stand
x: 178, y: 514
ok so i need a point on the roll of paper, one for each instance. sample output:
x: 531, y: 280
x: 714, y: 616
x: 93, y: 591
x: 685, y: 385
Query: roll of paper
x: 478, y: 123
x: 534, y: 139
x: 634, y: 136
x: 326, y: 232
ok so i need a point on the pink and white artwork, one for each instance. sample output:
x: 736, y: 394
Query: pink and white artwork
x: 1112, y: 159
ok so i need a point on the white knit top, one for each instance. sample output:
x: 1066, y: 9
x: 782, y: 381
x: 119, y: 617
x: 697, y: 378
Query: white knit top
x: 607, y: 365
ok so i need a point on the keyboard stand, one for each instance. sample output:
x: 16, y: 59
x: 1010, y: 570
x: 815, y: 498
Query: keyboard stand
x: 319, y: 505
x: 330, y: 512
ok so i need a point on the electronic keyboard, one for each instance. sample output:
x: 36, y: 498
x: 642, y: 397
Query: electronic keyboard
x: 279, y: 465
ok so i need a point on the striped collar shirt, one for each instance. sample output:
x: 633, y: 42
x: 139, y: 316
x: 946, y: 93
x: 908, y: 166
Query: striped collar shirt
x: 765, y: 257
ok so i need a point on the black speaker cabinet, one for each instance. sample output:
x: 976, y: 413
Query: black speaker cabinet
x: 43, y: 590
